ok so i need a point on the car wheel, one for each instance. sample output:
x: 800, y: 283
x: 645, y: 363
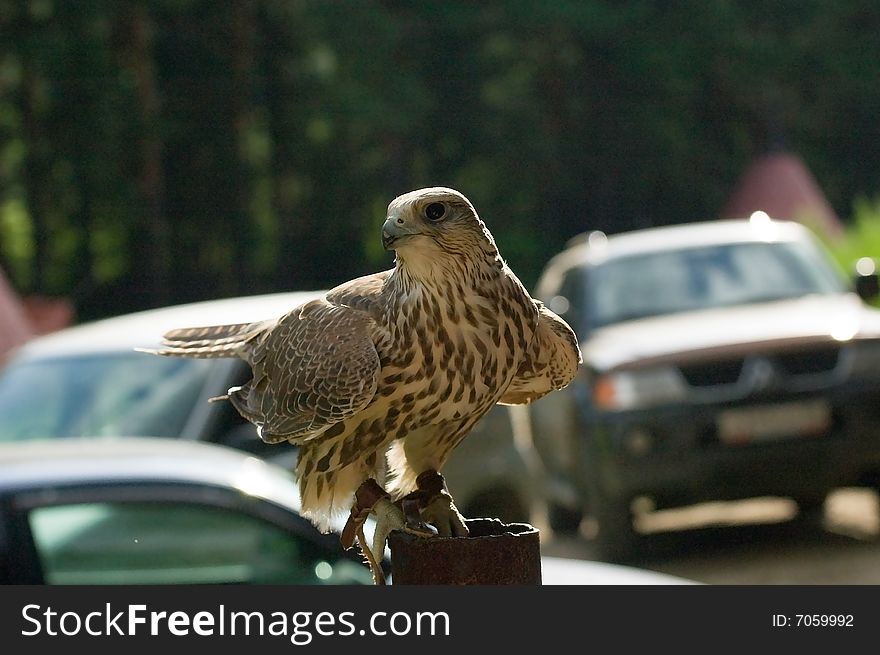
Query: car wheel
x: 564, y: 520
x: 615, y: 539
x: 811, y: 509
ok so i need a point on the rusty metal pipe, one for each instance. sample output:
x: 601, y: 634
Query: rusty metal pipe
x: 494, y: 553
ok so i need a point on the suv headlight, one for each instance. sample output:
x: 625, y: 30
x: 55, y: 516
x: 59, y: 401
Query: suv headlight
x: 864, y: 357
x: 624, y: 390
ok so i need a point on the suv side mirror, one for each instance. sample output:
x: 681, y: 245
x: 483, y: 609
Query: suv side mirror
x: 866, y: 280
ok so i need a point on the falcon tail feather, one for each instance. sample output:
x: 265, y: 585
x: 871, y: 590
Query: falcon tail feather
x: 208, y: 342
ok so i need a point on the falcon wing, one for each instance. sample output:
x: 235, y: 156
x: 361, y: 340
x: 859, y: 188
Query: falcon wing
x: 317, y: 366
x: 550, y: 364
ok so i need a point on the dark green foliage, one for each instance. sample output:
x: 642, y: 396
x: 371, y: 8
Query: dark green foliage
x: 159, y: 151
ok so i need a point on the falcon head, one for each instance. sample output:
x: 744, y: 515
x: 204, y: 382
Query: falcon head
x: 435, y: 220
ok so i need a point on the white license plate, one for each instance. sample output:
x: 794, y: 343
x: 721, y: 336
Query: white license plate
x: 771, y: 422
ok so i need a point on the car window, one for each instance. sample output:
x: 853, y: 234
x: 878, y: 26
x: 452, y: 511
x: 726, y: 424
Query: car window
x: 569, y: 301
x: 98, y: 395
x: 701, y: 278
x: 177, y: 543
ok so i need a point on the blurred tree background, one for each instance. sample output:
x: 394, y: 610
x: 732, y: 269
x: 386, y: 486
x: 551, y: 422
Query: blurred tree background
x: 159, y: 151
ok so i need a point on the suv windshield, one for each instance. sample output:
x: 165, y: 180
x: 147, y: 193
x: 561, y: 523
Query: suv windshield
x: 671, y: 281
x: 94, y: 395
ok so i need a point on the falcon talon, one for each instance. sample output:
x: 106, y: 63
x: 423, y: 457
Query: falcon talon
x: 421, y: 529
x: 411, y: 507
x: 385, y: 374
x: 441, y: 512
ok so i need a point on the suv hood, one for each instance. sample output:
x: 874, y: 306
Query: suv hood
x: 743, y: 328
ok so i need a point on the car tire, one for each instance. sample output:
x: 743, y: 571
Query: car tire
x: 616, y: 539
x: 811, y: 509
x: 564, y: 520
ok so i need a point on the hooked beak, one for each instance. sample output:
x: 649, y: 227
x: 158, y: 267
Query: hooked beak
x: 393, y: 230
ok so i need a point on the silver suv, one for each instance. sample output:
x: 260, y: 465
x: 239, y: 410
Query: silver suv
x: 722, y: 360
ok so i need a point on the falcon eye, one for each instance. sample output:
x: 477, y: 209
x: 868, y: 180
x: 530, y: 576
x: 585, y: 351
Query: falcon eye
x: 435, y: 211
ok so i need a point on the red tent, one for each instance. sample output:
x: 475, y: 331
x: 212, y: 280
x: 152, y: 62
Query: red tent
x: 780, y: 184
x: 23, y: 318
x: 15, y: 326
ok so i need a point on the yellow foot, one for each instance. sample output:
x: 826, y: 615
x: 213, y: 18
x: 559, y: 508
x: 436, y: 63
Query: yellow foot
x: 390, y: 517
x: 371, y: 498
x: 442, y: 513
x: 437, y: 507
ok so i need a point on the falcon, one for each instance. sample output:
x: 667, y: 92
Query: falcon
x: 379, y: 380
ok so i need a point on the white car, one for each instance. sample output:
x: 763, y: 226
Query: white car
x: 141, y: 511
x: 158, y: 511
x: 88, y: 380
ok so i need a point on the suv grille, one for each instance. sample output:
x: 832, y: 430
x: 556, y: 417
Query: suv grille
x: 792, y: 364
x: 807, y: 362
x: 711, y: 374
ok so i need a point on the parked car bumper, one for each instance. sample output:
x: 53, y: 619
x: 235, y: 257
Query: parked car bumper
x: 676, y: 455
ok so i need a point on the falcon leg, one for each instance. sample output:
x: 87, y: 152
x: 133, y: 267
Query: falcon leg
x: 371, y: 498
x: 437, y: 506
